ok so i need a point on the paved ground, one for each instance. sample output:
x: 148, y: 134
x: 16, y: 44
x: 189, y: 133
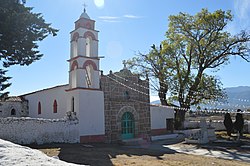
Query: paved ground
x: 212, y: 151
x: 223, y: 149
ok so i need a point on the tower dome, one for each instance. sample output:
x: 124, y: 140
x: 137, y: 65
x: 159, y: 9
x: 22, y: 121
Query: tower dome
x: 84, y: 14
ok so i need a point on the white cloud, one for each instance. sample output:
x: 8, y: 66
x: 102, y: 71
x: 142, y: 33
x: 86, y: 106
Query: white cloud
x: 131, y: 16
x: 242, y: 8
x: 241, y: 16
x: 110, y: 20
x: 117, y: 19
x: 108, y: 17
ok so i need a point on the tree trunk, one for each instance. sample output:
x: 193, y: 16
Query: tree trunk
x: 179, y: 119
x: 162, y: 93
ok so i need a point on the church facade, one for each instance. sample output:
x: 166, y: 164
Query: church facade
x: 109, y: 107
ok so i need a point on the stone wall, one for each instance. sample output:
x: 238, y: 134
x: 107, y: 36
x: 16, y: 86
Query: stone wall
x: 39, y: 131
x: 120, y: 98
x: 14, y: 107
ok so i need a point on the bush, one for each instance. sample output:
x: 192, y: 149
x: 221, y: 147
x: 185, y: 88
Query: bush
x: 228, y: 123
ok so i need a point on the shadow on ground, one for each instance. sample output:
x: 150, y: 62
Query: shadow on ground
x: 99, y: 154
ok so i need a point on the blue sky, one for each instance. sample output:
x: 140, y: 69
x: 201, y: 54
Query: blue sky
x: 126, y: 27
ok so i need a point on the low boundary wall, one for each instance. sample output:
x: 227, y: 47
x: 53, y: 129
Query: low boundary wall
x: 39, y: 131
x: 218, y: 125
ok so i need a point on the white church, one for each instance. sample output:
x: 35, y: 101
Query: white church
x: 108, y: 108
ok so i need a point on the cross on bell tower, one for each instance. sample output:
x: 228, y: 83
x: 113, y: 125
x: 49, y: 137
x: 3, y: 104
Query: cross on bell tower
x: 124, y: 62
x: 84, y: 7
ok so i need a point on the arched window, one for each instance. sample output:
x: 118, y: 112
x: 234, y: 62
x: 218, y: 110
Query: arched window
x: 13, y: 112
x: 55, y: 106
x: 74, y: 44
x: 39, y: 108
x: 72, y: 104
x: 74, y: 65
x: 88, y: 46
x: 74, y: 48
x: 89, y: 75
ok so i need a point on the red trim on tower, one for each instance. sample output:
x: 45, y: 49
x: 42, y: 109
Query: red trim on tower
x: 81, y: 56
x: 88, y: 33
x: 89, y: 62
x: 75, y: 36
x: 92, y: 139
x: 74, y: 65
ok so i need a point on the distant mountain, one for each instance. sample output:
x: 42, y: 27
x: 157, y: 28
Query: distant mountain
x: 238, y: 97
x: 240, y: 92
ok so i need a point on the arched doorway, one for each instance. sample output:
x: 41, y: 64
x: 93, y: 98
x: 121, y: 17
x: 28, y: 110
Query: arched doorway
x: 128, y: 125
x: 13, y: 112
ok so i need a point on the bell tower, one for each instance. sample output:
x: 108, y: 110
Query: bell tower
x: 84, y: 60
x: 85, y: 100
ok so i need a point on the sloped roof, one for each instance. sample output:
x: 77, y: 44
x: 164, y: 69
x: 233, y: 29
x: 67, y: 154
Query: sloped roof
x: 54, y: 87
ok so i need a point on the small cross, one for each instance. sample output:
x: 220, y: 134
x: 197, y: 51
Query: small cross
x: 124, y: 63
x: 84, y: 5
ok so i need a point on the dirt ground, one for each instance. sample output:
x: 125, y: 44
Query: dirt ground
x: 113, y: 154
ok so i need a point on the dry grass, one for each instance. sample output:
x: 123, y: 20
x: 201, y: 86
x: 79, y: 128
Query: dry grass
x: 223, y: 135
x: 108, y: 154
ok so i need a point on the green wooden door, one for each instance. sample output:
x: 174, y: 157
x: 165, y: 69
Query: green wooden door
x: 128, y: 125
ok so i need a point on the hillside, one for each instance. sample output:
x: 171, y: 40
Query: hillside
x: 238, y: 97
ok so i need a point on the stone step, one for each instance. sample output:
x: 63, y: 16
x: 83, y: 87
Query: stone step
x: 134, y: 141
x: 165, y: 137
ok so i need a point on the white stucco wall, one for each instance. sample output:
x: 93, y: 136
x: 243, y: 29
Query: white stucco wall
x: 46, y: 98
x: 158, y: 116
x: 31, y: 130
x: 91, y: 113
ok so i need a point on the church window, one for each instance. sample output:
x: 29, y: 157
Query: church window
x: 55, y: 106
x: 126, y: 95
x: 88, y: 46
x: 39, y: 108
x: 73, y: 104
x: 13, y: 112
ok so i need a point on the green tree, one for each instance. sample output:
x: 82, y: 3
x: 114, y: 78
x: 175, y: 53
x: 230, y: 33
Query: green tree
x: 194, y: 44
x: 157, y: 65
x: 20, y: 30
